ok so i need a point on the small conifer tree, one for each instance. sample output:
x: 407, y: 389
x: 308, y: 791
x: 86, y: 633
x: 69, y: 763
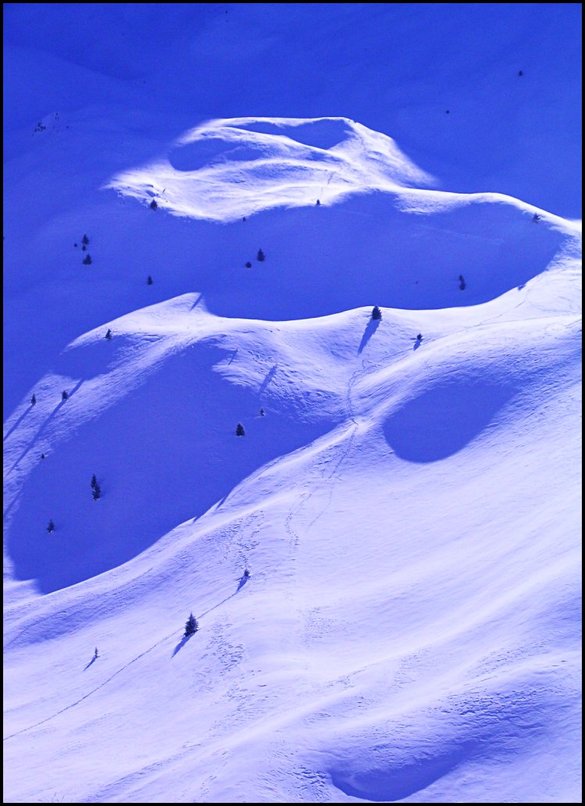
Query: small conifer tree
x: 240, y: 430
x: 64, y: 395
x: 109, y: 334
x: 376, y: 313
x: 95, y: 488
x: 461, y: 282
x: 149, y: 280
x: 153, y: 205
x: 33, y: 400
x: 191, y: 626
x: 86, y: 260
x: 260, y: 256
x: 85, y: 240
x: 248, y: 264
x: 50, y: 526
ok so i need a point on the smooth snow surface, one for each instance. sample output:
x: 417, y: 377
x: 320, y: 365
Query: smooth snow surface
x: 408, y: 508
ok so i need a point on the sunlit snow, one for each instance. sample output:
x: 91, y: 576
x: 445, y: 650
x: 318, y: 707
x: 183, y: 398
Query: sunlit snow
x: 406, y: 493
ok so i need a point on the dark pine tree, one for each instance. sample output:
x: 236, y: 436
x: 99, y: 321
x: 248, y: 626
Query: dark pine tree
x: 109, y: 334
x: 95, y: 488
x: 33, y: 400
x: 260, y: 256
x: 149, y: 280
x: 240, y: 430
x: 191, y: 626
x: 376, y: 312
x: 248, y: 265
x: 86, y: 260
x: 461, y: 282
x: 64, y: 395
x: 50, y: 526
x: 153, y: 205
x: 85, y: 240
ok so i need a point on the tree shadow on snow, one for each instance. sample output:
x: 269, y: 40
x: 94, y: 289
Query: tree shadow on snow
x: 182, y: 643
x: 371, y: 328
x: 45, y: 425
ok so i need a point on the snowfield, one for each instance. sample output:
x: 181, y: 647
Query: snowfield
x: 406, y: 494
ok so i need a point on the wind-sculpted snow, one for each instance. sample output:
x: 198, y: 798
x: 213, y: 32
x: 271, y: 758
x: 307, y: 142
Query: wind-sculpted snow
x: 352, y: 224
x: 405, y: 494
x: 227, y: 169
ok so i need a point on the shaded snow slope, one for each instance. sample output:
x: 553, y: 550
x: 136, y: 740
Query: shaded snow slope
x: 385, y: 245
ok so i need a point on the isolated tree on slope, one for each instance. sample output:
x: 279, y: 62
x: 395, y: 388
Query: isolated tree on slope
x: 260, y: 256
x: 376, y: 313
x: 240, y: 430
x: 191, y: 626
x: 96, y: 490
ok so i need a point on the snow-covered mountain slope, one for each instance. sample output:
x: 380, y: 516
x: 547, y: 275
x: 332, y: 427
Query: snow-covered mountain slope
x: 408, y: 510
x: 406, y: 494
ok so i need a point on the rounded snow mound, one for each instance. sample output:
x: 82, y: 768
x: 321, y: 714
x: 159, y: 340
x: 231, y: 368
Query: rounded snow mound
x: 226, y: 169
